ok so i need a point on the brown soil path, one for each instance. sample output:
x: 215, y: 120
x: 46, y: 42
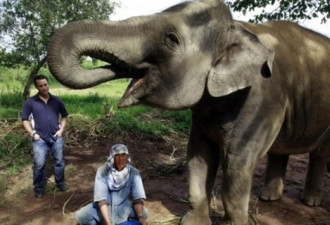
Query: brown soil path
x: 166, y: 190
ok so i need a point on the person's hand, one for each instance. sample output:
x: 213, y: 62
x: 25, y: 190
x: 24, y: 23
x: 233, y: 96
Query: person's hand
x: 36, y: 137
x: 143, y: 221
x: 58, y: 133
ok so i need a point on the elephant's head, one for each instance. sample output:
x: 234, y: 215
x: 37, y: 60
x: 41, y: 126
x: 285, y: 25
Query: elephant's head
x: 172, y: 56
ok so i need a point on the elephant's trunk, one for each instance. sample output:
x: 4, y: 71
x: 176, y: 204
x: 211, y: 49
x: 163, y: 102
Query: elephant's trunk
x: 99, y: 39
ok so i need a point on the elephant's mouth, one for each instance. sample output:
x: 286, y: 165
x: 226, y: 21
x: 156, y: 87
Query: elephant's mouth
x: 119, y: 67
x: 136, y: 90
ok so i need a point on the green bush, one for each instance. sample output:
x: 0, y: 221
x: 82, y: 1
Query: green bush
x: 14, y: 148
x: 149, y: 120
x: 10, y: 105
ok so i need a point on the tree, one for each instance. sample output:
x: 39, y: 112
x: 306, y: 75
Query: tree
x: 30, y: 24
x: 293, y: 10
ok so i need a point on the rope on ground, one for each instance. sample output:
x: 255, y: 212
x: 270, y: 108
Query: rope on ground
x: 63, y: 209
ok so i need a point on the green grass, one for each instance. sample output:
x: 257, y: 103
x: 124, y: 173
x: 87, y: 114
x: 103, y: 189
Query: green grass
x: 14, y: 150
x: 92, y: 105
x: 3, y: 188
x: 10, y: 105
x: 70, y: 170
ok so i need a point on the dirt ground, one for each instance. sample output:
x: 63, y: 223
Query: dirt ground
x: 165, y: 180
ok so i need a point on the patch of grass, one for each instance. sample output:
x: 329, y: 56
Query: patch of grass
x: 14, y: 148
x: 11, y: 103
x: 51, y: 187
x: 25, y: 187
x: 181, y: 120
x: 3, y: 187
x: 93, y: 106
x: 70, y: 170
x: 146, y: 120
x: 113, y: 89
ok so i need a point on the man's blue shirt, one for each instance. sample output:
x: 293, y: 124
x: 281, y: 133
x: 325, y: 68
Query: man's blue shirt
x: 46, y: 116
x: 120, y: 202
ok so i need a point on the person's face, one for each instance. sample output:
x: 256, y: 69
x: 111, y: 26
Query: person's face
x: 42, y: 87
x: 121, y: 161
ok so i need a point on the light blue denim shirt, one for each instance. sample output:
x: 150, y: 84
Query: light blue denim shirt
x: 120, y: 202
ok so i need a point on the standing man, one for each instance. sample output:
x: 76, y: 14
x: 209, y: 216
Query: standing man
x: 46, y: 133
x: 118, y: 193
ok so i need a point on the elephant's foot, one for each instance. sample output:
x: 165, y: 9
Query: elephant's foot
x: 271, y: 192
x: 312, y: 198
x: 193, y: 218
x: 235, y: 218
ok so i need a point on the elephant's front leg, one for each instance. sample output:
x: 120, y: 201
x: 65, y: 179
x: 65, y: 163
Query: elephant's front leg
x: 236, y: 194
x: 203, y: 163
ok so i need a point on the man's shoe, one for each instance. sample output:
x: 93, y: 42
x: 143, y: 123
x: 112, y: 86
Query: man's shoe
x: 38, y: 196
x: 63, y: 189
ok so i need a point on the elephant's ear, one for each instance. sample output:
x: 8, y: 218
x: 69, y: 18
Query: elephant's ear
x: 240, y: 65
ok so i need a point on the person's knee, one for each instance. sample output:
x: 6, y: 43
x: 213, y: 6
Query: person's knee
x: 39, y: 164
x: 81, y: 217
x: 78, y: 217
x: 86, y: 215
x: 59, y: 163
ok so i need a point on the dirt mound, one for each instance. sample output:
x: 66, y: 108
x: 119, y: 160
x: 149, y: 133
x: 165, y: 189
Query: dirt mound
x: 161, y: 164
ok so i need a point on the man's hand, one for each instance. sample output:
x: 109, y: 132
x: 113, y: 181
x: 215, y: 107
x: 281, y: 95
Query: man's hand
x: 58, y: 133
x: 104, y: 208
x: 36, y: 137
x: 143, y: 221
x: 138, y: 207
x: 62, y: 127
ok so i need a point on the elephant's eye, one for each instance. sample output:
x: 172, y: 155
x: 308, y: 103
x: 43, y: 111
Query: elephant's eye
x: 172, y: 38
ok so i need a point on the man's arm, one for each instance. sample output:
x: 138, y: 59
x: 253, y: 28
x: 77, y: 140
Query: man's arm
x: 104, y: 208
x: 138, y: 208
x: 101, y: 192
x: 27, y: 126
x: 63, y: 125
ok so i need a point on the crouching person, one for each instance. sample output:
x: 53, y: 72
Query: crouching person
x: 118, y: 193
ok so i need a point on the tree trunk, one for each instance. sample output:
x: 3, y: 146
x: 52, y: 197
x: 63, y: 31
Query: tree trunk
x: 33, y: 74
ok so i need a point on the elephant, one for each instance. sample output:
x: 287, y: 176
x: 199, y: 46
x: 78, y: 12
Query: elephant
x: 254, y: 90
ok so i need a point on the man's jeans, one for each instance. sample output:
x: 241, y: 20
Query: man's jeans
x: 91, y: 215
x: 40, y: 152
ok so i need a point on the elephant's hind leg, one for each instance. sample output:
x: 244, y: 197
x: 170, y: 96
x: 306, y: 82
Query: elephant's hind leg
x: 275, y: 176
x: 313, y: 188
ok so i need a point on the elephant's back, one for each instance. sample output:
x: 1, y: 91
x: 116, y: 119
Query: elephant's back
x: 288, y: 38
x: 301, y: 72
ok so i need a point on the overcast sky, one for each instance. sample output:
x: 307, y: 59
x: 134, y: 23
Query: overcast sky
x: 131, y: 8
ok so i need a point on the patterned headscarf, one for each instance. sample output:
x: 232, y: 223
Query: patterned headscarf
x: 117, y: 179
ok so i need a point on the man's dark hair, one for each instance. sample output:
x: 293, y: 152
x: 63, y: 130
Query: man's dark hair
x: 39, y: 77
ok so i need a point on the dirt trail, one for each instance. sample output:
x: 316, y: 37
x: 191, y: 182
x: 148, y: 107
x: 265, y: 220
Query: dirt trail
x: 166, y: 191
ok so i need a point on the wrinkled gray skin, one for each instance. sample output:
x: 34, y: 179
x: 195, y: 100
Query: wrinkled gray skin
x: 252, y: 89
